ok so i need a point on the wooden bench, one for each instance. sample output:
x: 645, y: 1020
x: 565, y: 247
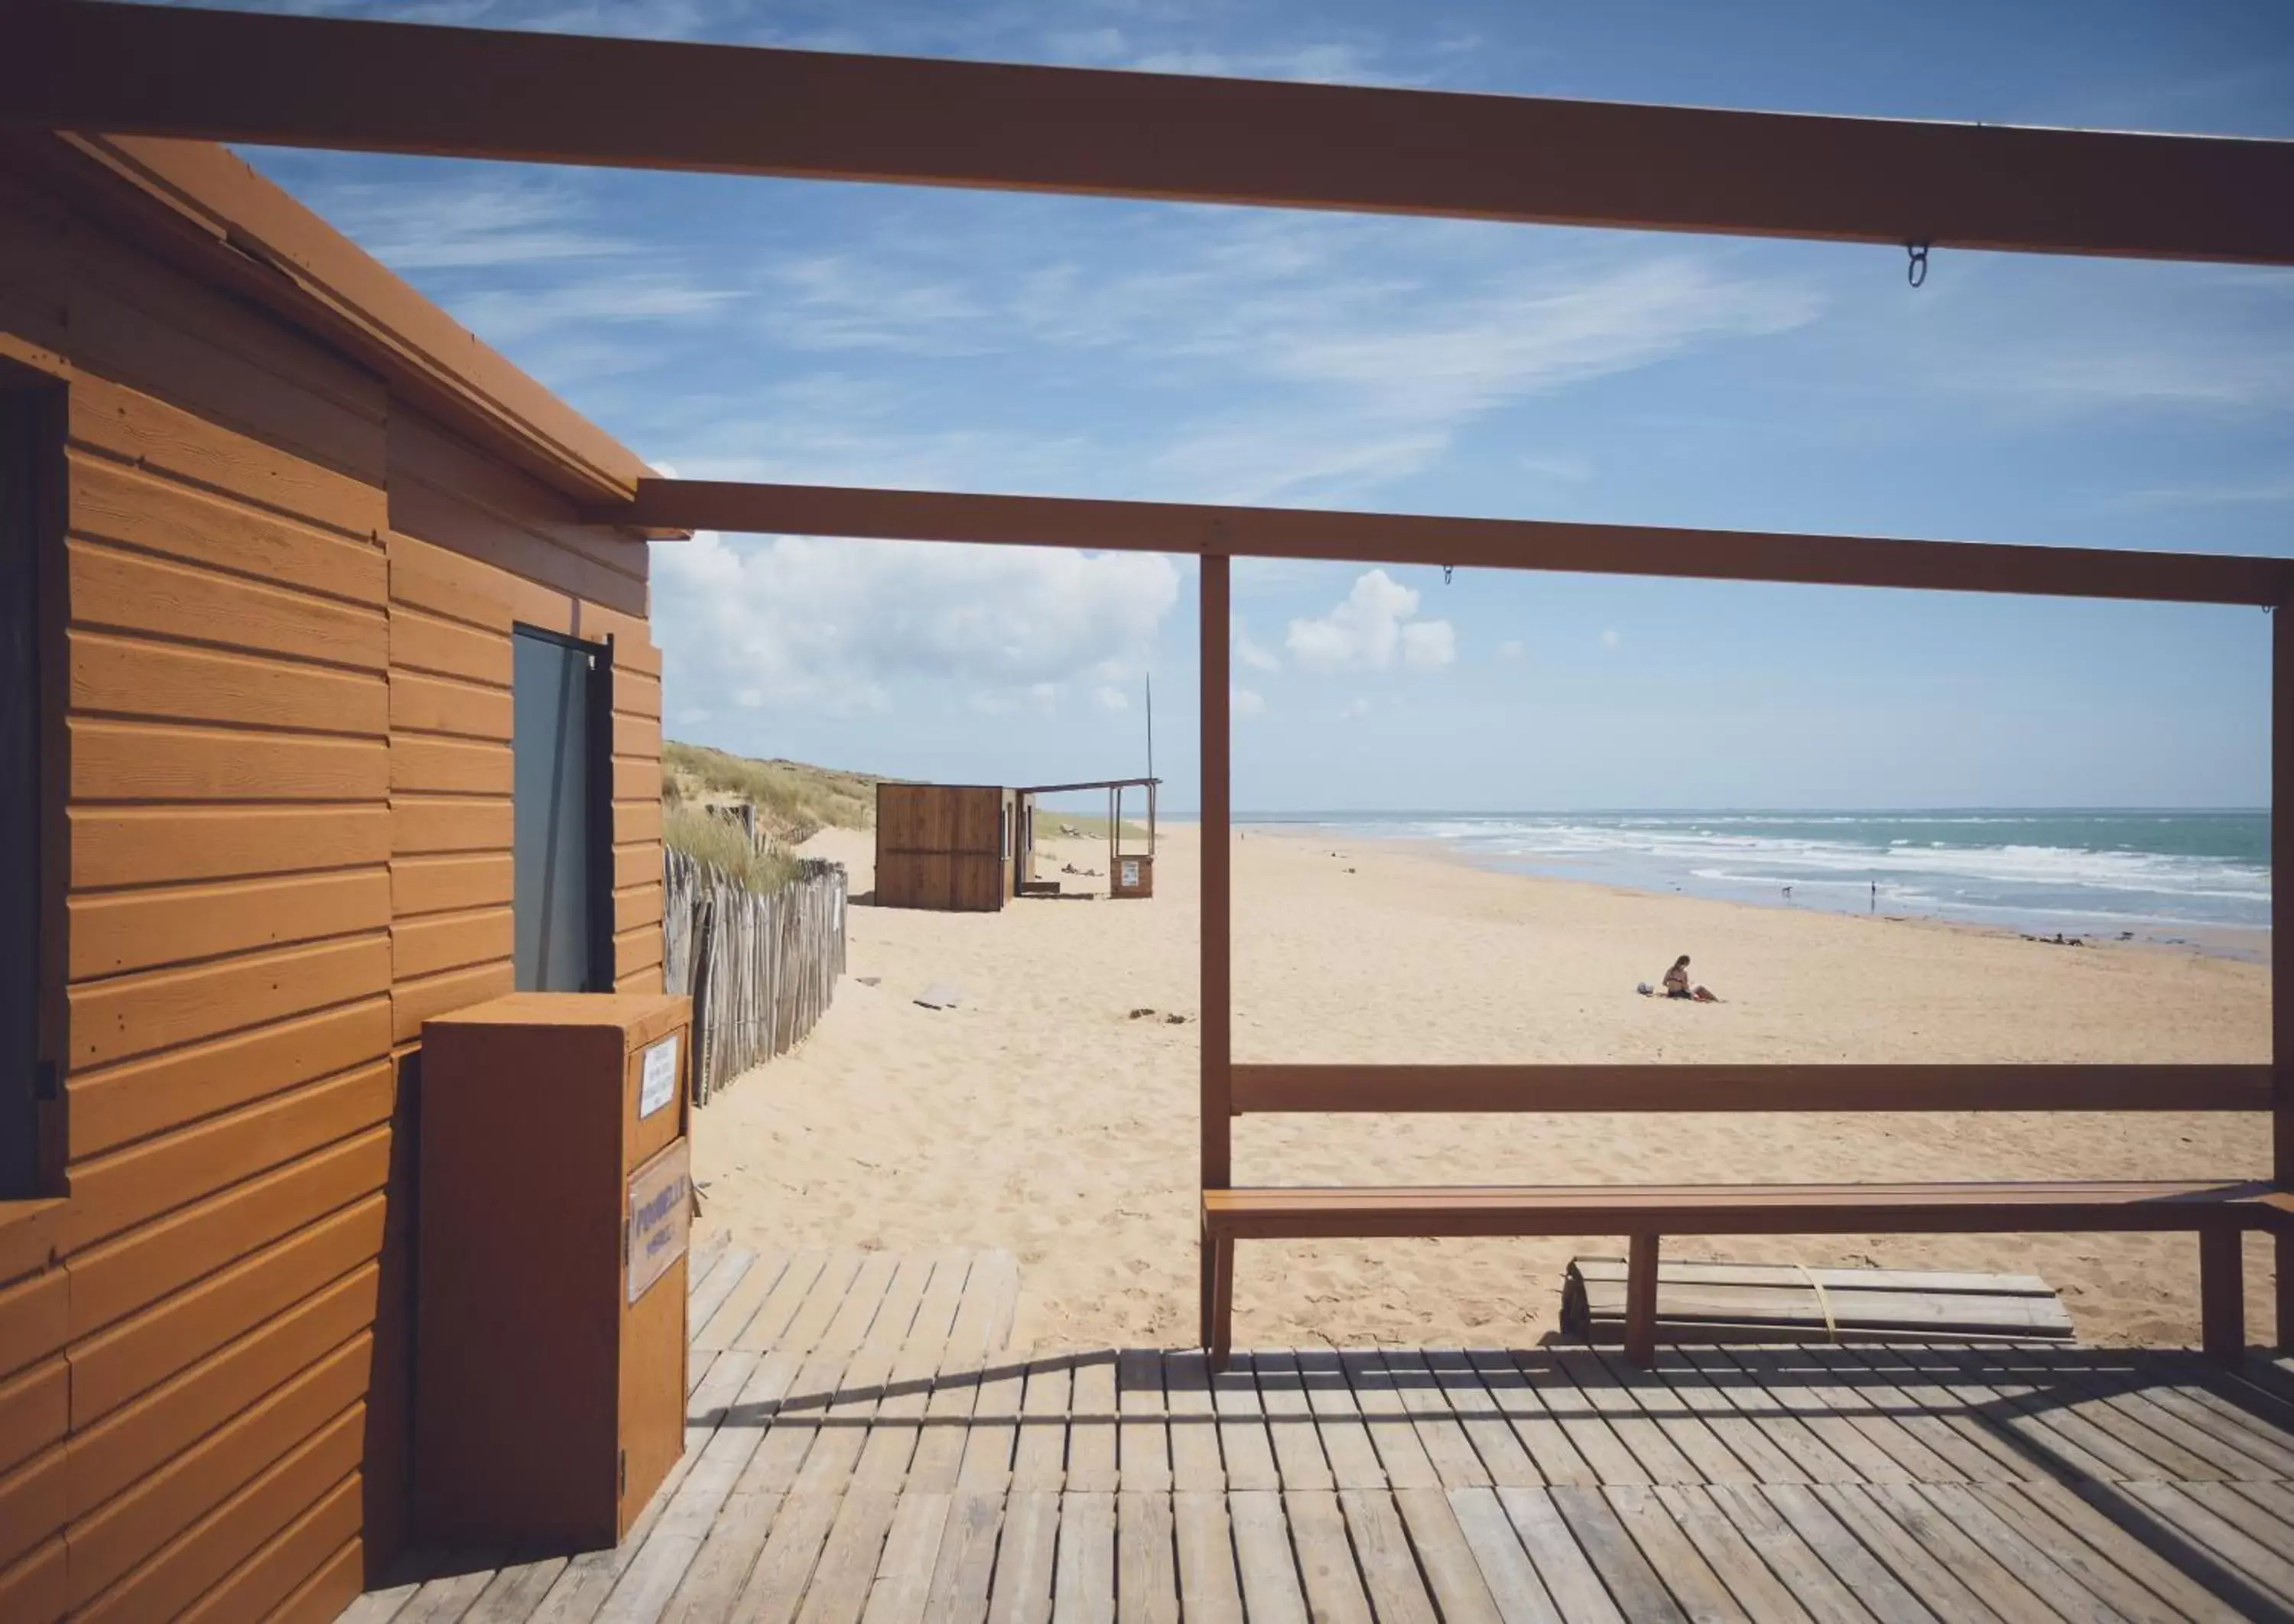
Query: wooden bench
x: 2217, y: 1211
x: 2217, y: 1214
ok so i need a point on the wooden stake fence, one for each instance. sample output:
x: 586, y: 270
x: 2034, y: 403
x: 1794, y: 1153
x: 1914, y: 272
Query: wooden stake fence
x: 761, y: 968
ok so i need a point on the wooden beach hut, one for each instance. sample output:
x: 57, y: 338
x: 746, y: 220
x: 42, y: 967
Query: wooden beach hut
x: 326, y: 710
x: 946, y: 847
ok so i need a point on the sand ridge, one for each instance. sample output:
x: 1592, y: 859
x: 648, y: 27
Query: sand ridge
x: 1041, y: 1116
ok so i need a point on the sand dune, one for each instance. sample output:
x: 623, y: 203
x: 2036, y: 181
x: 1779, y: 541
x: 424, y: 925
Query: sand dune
x: 1042, y: 1117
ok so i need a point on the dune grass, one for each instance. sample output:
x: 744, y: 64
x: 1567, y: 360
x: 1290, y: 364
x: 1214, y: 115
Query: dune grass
x: 719, y: 842
x: 1048, y: 823
x: 794, y: 801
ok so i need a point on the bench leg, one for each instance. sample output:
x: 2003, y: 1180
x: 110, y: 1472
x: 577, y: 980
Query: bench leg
x: 2222, y: 1295
x: 1220, y: 1338
x: 2284, y: 1242
x: 1641, y: 1301
x: 1203, y: 1291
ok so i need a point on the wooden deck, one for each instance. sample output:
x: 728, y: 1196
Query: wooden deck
x: 862, y: 1446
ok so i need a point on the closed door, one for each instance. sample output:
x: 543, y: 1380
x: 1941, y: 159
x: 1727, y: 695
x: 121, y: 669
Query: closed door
x: 560, y: 824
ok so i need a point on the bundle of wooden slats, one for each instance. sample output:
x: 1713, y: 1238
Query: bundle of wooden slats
x: 761, y: 968
x: 1706, y: 1302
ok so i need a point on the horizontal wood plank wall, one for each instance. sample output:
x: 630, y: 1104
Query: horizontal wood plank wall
x: 484, y: 546
x: 637, y: 941
x: 183, y: 1386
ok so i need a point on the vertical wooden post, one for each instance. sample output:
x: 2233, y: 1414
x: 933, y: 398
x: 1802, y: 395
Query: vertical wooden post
x: 1222, y: 1302
x: 1216, y: 991
x: 1640, y: 1301
x: 2222, y: 1294
x: 2281, y: 946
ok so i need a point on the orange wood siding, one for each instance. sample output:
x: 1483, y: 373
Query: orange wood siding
x: 199, y: 1341
x: 286, y: 676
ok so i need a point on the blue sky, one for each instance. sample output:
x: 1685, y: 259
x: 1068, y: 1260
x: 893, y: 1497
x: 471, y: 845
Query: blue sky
x: 901, y: 336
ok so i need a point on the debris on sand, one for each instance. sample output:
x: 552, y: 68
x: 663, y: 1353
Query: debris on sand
x: 1170, y: 1019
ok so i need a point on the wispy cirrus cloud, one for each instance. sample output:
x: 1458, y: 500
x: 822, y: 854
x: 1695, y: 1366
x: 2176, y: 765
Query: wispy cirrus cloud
x: 2232, y: 493
x: 507, y: 316
x: 651, y: 19
x: 1315, y: 359
x: 457, y: 221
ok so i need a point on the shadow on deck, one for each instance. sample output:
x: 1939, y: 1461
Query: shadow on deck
x: 862, y: 1445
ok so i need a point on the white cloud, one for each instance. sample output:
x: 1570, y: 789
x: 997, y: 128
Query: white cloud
x: 1428, y: 646
x: 1110, y: 698
x: 1575, y: 468
x: 1318, y: 356
x: 2258, y: 375
x: 788, y: 621
x: 656, y: 20
x: 1610, y: 640
x: 504, y: 316
x: 1510, y: 649
x: 1370, y: 629
x: 1326, y: 62
x: 2226, y: 494
x: 844, y: 302
x: 1386, y: 377
x: 1360, y: 707
x: 1321, y: 64
x: 465, y: 225
x: 1252, y: 654
x: 1246, y: 702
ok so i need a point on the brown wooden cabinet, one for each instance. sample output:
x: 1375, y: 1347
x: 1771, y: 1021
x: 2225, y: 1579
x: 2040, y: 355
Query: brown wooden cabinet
x: 550, y: 1334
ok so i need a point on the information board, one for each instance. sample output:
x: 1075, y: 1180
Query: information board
x: 658, y: 1084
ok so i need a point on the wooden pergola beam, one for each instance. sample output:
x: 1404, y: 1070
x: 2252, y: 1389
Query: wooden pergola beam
x: 397, y: 87
x: 1513, y: 544
x: 1571, y: 1088
x: 1094, y: 784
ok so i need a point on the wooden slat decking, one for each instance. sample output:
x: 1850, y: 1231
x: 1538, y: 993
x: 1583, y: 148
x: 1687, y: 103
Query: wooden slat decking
x: 864, y: 1448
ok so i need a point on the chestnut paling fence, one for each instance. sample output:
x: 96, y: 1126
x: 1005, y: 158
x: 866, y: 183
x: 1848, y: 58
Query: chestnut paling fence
x: 761, y: 967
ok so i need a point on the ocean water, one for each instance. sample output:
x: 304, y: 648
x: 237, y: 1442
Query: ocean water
x: 2164, y: 875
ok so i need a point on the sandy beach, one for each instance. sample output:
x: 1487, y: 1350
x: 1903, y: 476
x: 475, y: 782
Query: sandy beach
x: 1042, y: 1117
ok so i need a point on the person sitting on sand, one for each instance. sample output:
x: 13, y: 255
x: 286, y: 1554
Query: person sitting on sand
x: 1676, y: 983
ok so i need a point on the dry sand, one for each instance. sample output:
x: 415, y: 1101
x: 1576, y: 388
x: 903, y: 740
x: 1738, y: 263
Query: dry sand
x: 1040, y: 1116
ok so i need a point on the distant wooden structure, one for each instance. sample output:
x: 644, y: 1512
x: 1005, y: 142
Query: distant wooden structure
x: 971, y: 848
x: 1129, y: 873
x: 947, y: 846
